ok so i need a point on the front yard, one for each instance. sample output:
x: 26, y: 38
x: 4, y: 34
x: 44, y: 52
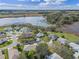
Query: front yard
x: 6, y: 43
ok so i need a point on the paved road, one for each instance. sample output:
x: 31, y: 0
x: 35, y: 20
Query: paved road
x: 13, y: 44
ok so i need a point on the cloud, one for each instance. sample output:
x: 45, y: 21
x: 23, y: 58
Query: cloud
x: 53, y: 2
x: 77, y: 4
x: 48, y: 5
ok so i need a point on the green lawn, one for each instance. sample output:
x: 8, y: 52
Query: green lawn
x: 45, y: 38
x: 6, y: 43
x: 1, y: 28
x: 70, y: 37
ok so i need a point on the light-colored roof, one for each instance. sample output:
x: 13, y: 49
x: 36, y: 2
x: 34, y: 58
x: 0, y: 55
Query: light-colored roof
x: 55, y: 56
x: 38, y: 39
x: 50, y: 43
x: 30, y: 47
x: 13, y: 53
x: 62, y: 40
x: 1, y: 55
x: 25, y: 29
x: 76, y: 55
x: 3, y: 40
x: 74, y: 46
x: 52, y: 36
x: 39, y: 34
x: 8, y: 28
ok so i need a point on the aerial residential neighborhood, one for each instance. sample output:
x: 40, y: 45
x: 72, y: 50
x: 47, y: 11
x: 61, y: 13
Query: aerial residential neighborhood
x: 14, y: 41
x: 39, y: 29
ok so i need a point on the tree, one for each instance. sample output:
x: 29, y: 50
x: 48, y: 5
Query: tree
x: 31, y: 54
x: 64, y: 52
x: 22, y: 56
x: 42, y: 50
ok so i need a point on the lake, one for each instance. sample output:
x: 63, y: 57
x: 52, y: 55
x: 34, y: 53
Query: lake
x: 37, y: 20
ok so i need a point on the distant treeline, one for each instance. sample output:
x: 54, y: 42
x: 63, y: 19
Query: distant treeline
x: 62, y: 17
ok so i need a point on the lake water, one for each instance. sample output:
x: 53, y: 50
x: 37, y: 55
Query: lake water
x: 38, y: 21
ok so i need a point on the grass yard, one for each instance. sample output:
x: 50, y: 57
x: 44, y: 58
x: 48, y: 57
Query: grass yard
x: 1, y: 28
x: 6, y: 43
x: 70, y: 37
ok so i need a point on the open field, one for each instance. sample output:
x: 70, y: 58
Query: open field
x: 70, y: 37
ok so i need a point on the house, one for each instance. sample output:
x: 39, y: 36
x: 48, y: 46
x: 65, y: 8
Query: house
x: 53, y: 37
x: 1, y: 55
x: 38, y: 39
x: 8, y: 29
x: 30, y: 47
x: 27, y: 35
x: 50, y: 43
x: 54, y: 56
x: 17, y: 28
x: 13, y: 53
x: 76, y: 55
x: 25, y: 30
x: 39, y: 34
x: 74, y: 46
x: 3, y: 40
x: 62, y: 41
x: 1, y: 33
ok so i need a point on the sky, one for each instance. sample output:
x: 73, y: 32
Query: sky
x: 39, y: 4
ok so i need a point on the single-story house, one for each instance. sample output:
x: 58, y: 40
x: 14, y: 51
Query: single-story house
x: 17, y: 28
x: 50, y: 43
x: 13, y: 53
x: 76, y: 55
x: 74, y: 46
x: 63, y: 41
x: 3, y: 40
x: 25, y: 30
x: 8, y: 29
x: 1, y: 55
x: 1, y: 33
x: 54, y: 56
x: 39, y: 34
x: 30, y: 47
x: 27, y: 35
x: 38, y: 39
x: 53, y: 37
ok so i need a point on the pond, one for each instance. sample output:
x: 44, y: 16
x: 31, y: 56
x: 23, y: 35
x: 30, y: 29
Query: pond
x: 37, y: 20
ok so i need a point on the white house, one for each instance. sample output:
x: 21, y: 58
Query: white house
x: 1, y: 34
x: 7, y: 29
x: 62, y: 41
x: 39, y: 34
x: 54, y: 56
x: 3, y: 40
x: 1, y: 55
x: 53, y: 37
x: 25, y: 30
x: 13, y: 53
x: 76, y: 55
x: 38, y: 39
x: 30, y: 47
x: 50, y: 43
x: 74, y: 46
